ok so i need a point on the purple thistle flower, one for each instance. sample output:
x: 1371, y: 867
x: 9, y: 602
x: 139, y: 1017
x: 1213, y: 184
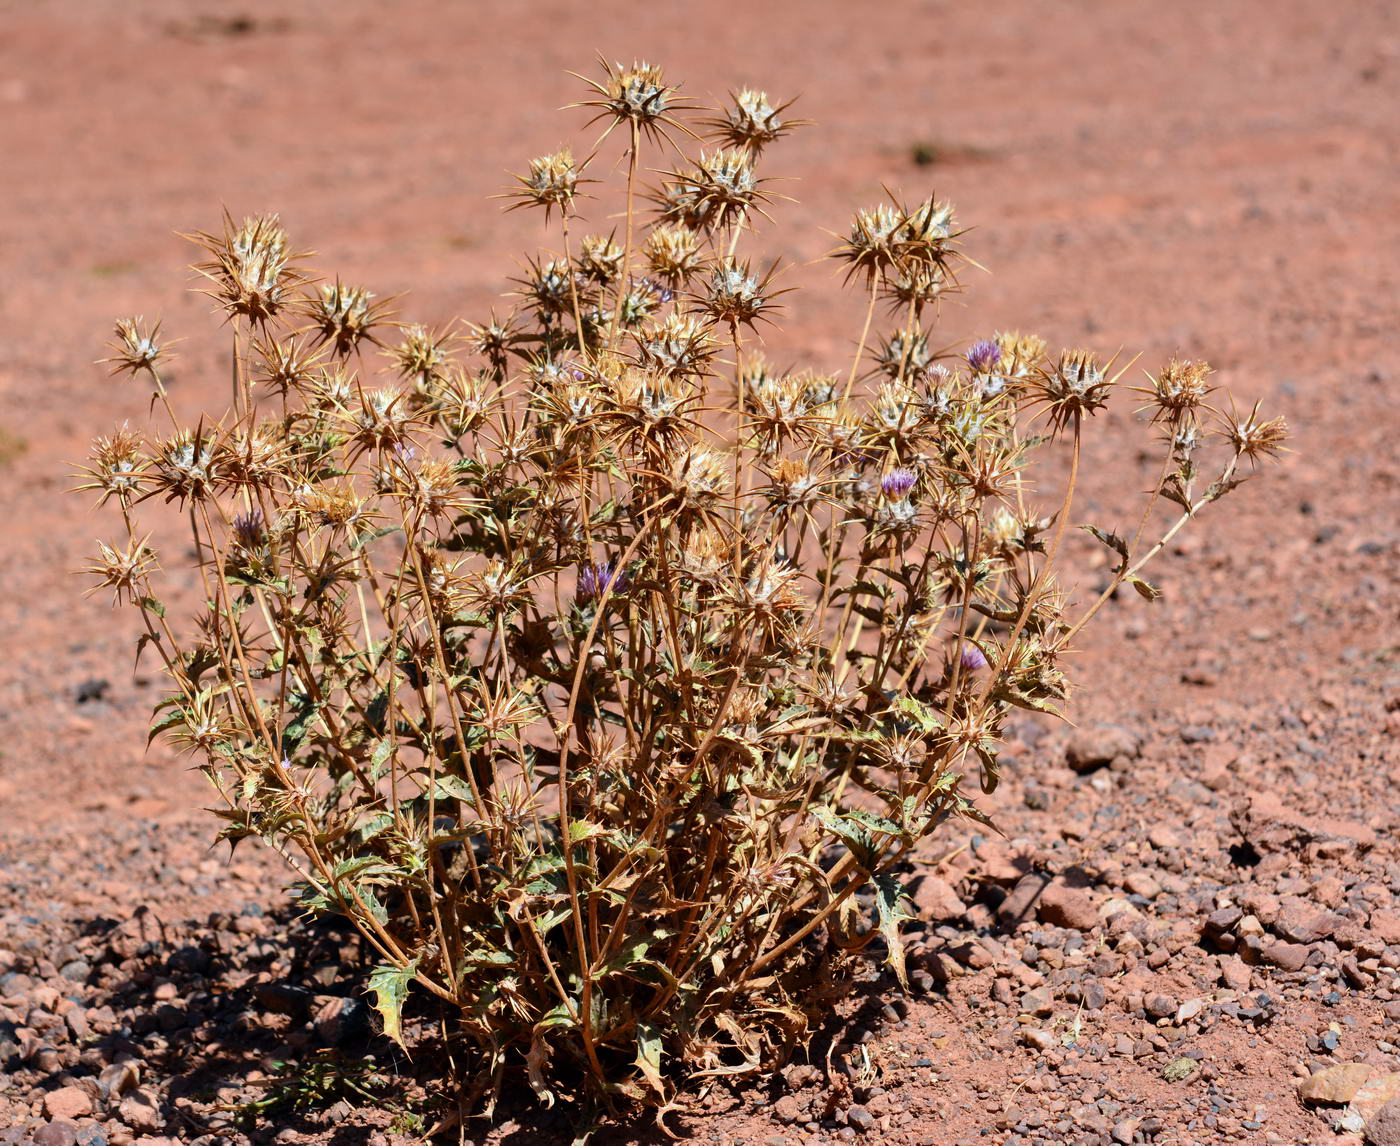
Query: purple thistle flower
x: 983, y: 356
x: 249, y: 529
x: 597, y: 578
x: 972, y: 658
x: 896, y: 484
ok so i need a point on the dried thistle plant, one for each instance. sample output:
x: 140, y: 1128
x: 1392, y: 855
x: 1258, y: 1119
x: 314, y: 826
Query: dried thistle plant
x: 596, y: 670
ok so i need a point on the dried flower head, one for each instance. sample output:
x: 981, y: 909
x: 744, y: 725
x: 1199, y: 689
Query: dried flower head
x: 1077, y: 387
x: 137, y: 347
x: 124, y: 570
x: 674, y: 254
x: 720, y: 188
x: 751, y: 121
x: 341, y: 317
x: 1180, y: 388
x: 637, y: 96
x: 599, y: 260
x: 735, y: 295
x: 118, y: 467
x: 552, y: 183
x: 251, y: 268
x: 283, y: 365
x: 1252, y: 437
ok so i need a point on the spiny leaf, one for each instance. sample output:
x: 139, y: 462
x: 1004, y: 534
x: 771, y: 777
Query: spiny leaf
x: 390, y: 986
x: 649, y: 1056
x: 889, y: 907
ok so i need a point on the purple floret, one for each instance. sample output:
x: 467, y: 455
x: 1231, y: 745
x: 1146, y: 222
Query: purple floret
x: 983, y: 356
x: 972, y: 658
x: 597, y: 577
x: 896, y: 484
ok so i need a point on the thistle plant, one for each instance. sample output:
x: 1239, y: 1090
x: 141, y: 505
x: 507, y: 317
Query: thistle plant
x: 602, y: 673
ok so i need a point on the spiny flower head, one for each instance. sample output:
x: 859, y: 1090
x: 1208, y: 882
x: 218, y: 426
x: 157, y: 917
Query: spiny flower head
x: 983, y: 356
x: 673, y: 253
x: 679, y: 345
x: 423, y: 355
x: 251, y: 268
x: 1077, y: 386
x: 285, y: 364
x: 751, y: 121
x: 897, y: 484
x: 552, y: 183
x: 597, y: 578
x: 599, y: 260
x: 137, y: 347
x: 1020, y: 355
x: 188, y: 465
x: 1252, y: 437
x: 118, y: 467
x: 637, y: 96
x: 1180, y: 388
x: 125, y: 570
x: 342, y: 316
x: 735, y: 295
x: 719, y: 188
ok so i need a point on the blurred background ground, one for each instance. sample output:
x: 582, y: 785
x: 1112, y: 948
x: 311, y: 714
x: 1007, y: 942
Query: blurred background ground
x: 1214, y: 180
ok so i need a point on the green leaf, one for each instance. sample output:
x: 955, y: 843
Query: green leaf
x: 152, y: 605
x: 919, y: 713
x: 390, y: 987
x: 649, y: 1048
x: 889, y: 906
x: 451, y: 787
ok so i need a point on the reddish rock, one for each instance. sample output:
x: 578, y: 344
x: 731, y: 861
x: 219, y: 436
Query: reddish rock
x: 1334, y: 1085
x: 67, y: 1102
x: 1384, y: 1128
x: 1235, y: 974
x: 1286, y: 956
x: 935, y: 899
x: 1096, y: 745
x: 1065, y: 906
x: 1386, y: 926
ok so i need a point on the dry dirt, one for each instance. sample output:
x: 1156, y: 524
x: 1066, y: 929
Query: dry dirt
x: 1163, y: 946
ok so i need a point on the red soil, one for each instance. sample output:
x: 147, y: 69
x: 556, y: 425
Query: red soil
x: 1204, y: 179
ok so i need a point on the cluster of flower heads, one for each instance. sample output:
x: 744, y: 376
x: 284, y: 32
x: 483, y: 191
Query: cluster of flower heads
x: 595, y: 559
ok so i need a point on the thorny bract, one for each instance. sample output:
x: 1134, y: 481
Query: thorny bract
x: 599, y: 670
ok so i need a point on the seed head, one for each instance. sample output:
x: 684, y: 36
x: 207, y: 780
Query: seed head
x: 188, y: 466
x: 1253, y: 438
x: 422, y: 356
x: 637, y: 96
x: 124, y: 570
x: 1077, y: 387
x: 679, y: 345
x: 251, y: 268
x: 118, y: 467
x: 719, y: 188
x: 1179, y: 389
x: 552, y: 183
x: 674, y: 254
x: 342, y: 317
x: 599, y: 260
x: 137, y: 347
x: 288, y: 364
x: 751, y: 121
x: 735, y: 295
